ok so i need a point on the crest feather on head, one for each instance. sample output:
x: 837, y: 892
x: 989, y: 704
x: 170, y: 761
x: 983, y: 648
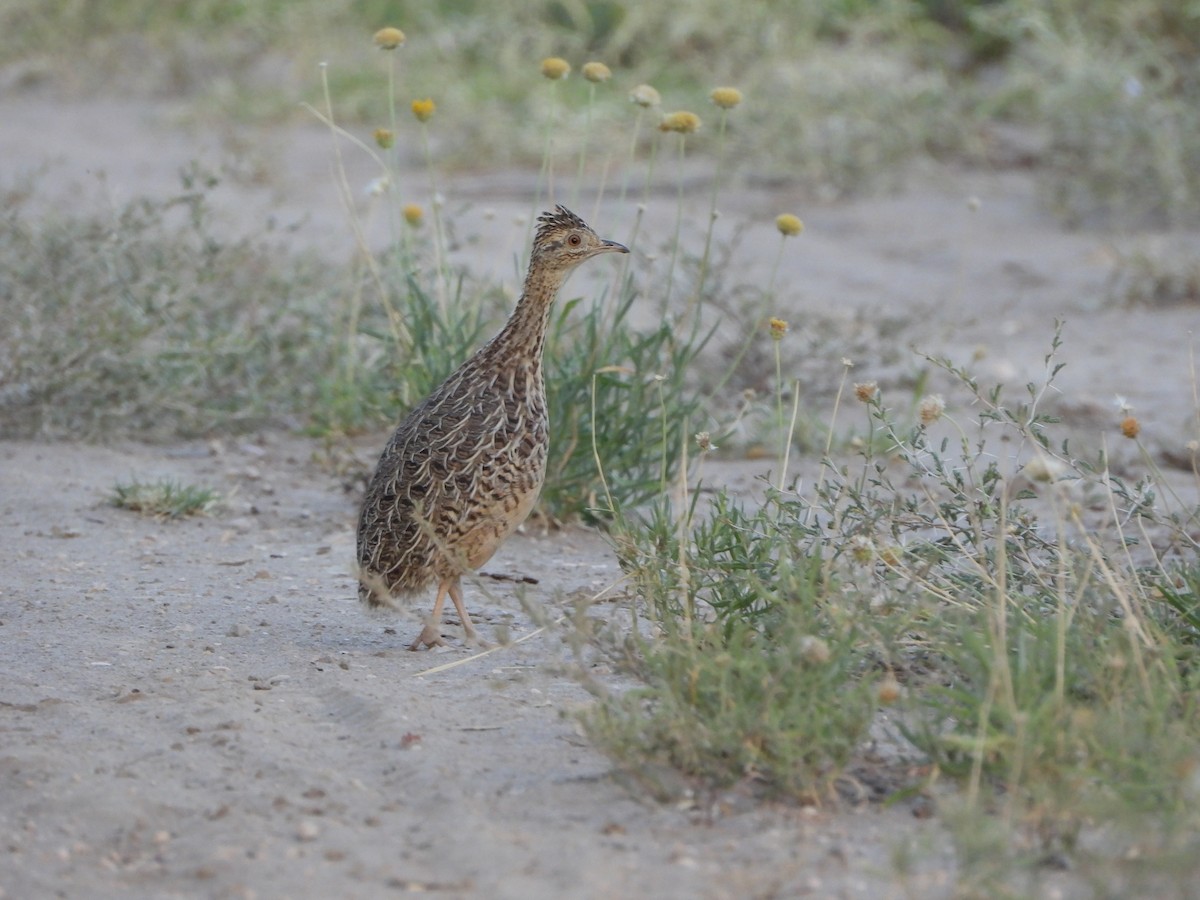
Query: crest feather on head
x: 561, y: 218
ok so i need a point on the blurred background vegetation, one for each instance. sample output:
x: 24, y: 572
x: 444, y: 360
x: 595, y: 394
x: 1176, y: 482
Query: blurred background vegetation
x: 129, y: 322
x: 1103, y: 96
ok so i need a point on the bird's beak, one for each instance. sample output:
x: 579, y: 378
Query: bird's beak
x: 613, y: 247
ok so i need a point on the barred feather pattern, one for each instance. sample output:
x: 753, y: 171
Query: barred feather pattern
x: 466, y: 465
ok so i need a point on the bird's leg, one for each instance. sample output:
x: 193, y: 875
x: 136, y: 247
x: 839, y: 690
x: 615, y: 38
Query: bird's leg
x: 471, y: 636
x: 431, y: 634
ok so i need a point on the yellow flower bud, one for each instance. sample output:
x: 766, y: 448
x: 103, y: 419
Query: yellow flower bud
x: 555, y: 68
x: 384, y: 138
x: 423, y: 109
x: 726, y: 97
x: 789, y: 225
x: 389, y: 38
x: 683, y: 122
x: 596, y: 72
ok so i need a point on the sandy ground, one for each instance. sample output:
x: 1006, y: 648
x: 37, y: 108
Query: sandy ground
x: 201, y: 708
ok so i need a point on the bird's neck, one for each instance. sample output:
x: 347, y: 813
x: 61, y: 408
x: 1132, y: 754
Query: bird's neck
x: 523, y: 337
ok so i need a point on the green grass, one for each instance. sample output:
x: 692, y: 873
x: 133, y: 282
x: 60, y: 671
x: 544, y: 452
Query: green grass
x: 163, y: 499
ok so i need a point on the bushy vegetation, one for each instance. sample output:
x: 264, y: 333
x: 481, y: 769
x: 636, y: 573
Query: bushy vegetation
x: 163, y: 499
x: 847, y: 93
x: 1031, y: 618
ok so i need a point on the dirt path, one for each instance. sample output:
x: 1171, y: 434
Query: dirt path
x: 201, y: 708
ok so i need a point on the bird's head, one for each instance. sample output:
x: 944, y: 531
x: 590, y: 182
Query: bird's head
x: 564, y: 240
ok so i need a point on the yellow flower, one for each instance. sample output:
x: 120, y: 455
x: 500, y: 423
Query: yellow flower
x: 555, y: 68
x: 645, y: 96
x: 726, y: 97
x: 384, y: 138
x: 683, y: 122
x: 423, y: 109
x: 389, y: 38
x: 866, y: 391
x: 596, y: 71
x: 789, y: 225
x: 1131, y: 427
x: 778, y: 329
x: 413, y: 214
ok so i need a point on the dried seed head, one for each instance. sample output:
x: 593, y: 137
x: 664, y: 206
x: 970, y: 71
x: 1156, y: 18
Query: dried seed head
x: 596, y: 72
x: 866, y: 391
x: 1044, y: 468
x: 789, y: 225
x: 423, y: 109
x: 555, y: 68
x: 931, y: 409
x: 862, y: 550
x: 726, y: 97
x: 814, y: 650
x: 645, y: 96
x: 704, y: 442
x: 888, y: 691
x: 389, y: 38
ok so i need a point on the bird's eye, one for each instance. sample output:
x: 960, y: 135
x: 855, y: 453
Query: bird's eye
x: 574, y: 240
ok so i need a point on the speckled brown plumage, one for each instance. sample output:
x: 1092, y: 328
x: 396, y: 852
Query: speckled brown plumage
x: 465, y: 467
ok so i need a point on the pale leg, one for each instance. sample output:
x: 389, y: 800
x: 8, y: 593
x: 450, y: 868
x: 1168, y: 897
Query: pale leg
x: 431, y: 634
x: 468, y: 629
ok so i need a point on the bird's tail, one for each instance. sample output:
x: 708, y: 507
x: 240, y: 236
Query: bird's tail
x: 374, y: 593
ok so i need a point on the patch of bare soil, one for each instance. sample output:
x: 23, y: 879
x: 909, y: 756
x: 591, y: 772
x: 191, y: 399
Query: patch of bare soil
x: 201, y: 707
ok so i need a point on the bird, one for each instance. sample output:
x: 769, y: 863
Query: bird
x: 465, y: 467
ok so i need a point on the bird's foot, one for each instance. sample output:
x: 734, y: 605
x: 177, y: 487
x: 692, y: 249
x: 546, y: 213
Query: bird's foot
x: 472, y: 639
x: 430, y: 637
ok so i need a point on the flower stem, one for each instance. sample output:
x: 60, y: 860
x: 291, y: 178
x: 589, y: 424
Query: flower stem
x: 678, y: 225
x: 587, y: 135
x: 712, y: 209
x: 439, y: 235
